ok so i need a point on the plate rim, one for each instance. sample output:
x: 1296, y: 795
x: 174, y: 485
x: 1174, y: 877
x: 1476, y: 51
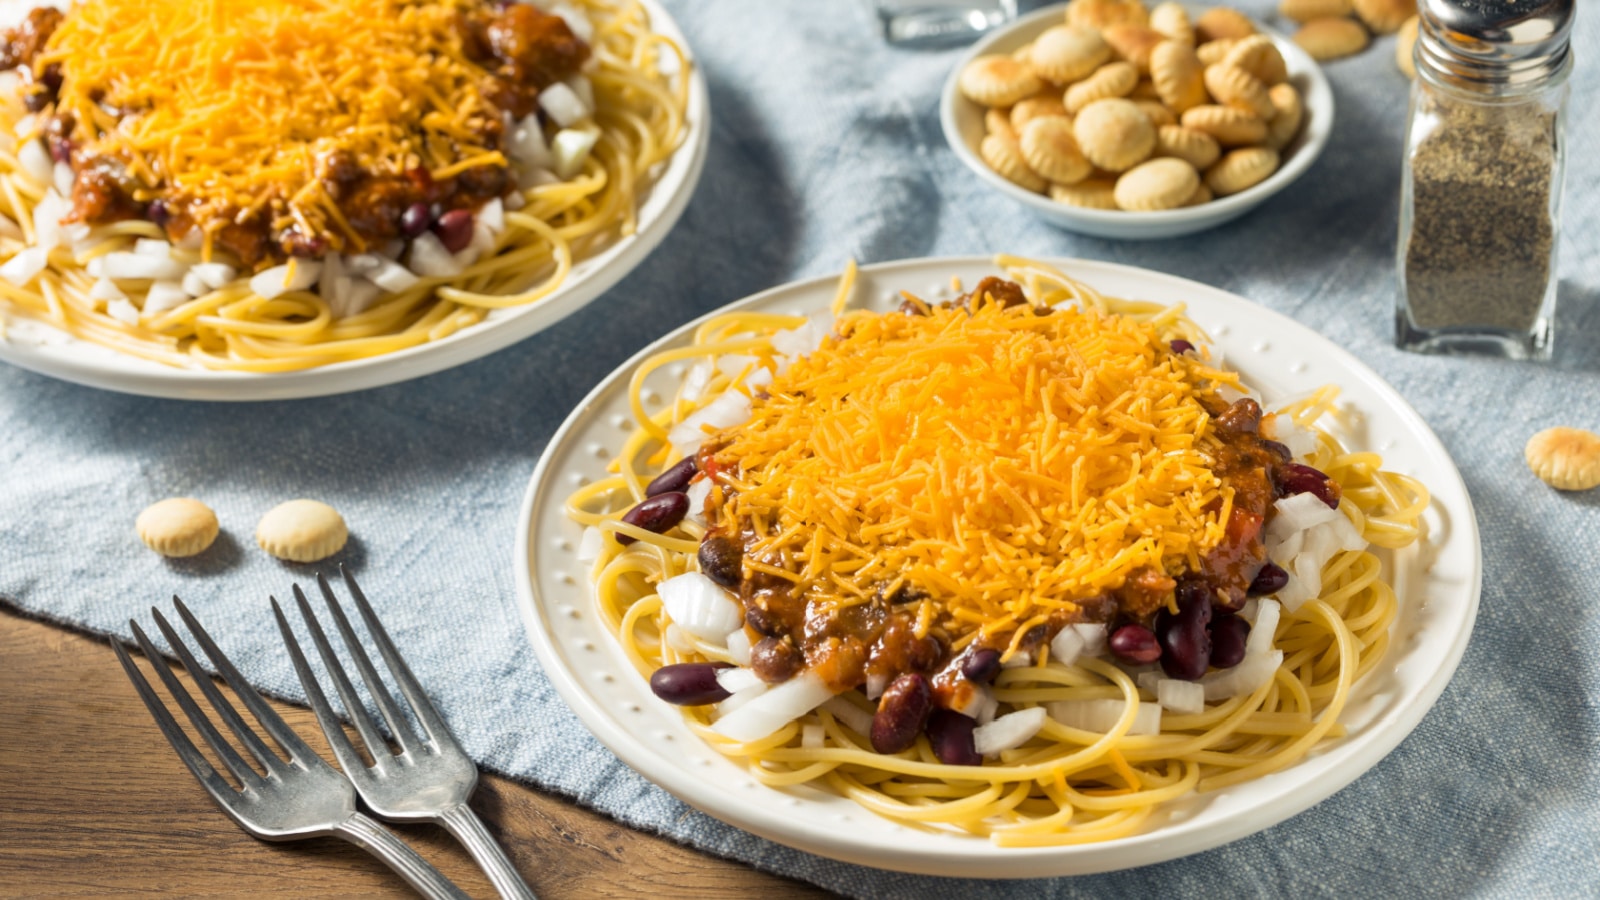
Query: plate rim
x: 984, y: 860
x: 1157, y: 224
x: 122, y: 373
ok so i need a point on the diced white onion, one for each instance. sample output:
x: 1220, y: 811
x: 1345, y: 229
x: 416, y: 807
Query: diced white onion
x: 22, y: 268
x: 123, y: 311
x: 106, y: 289
x: 527, y: 145
x: 1297, y: 512
x: 591, y: 544
x: 1094, y: 637
x: 729, y: 410
x: 812, y: 736
x: 739, y: 646
x: 991, y: 706
x: 24, y: 126
x: 1262, y: 629
x: 774, y: 709
x: 1103, y: 715
x: 1302, y: 442
x: 1020, y: 660
x: 1245, y: 678
x: 61, y: 177
x: 679, y: 640
x: 737, y: 678
x: 850, y: 715
x: 581, y: 86
x: 576, y: 21
x: 571, y: 147
x: 359, y: 295
x: 194, y: 285
x: 391, y: 276
x: 1183, y: 697
x: 728, y: 705
x: 563, y: 105
x: 528, y: 179
x: 695, y: 383
x: 215, y: 275
x: 430, y: 259
x: 876, y: 683
x: 47, y: 215
x: 973, y: 702
x: 698, y: 492
x: 36, y: 162
x: 164, y: 295
x: 1008, y: 732
x: 153, y: 247
x: 1065, y: 646
x: 698, y: 604
x: 492, y: 215
x: 515, y: 201
x: 269, y: 283
x: 802, y: 340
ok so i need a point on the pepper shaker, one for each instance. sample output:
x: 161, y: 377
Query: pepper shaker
x: 1480, y: 197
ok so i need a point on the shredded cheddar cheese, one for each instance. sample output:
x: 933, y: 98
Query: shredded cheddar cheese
x: 231, y: 103
x: 1006, y: 464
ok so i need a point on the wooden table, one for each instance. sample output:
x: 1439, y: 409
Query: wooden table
x: 93, y: 801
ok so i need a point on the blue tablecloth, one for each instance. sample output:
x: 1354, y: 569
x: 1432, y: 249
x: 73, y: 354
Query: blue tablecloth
x: 825, y: 145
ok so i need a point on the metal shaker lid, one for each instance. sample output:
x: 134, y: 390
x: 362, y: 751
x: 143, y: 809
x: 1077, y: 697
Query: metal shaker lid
x: 1491, y: 43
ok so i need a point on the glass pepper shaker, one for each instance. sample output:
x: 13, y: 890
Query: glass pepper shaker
x: 1480, y: 198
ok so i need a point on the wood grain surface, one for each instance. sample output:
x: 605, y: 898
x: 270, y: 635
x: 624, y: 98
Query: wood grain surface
x: 93, y: 801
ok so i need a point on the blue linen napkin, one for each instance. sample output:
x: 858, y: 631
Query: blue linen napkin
x: 826, y: 144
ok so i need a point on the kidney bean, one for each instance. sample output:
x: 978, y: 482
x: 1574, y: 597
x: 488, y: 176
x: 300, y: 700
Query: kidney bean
x: 658, y: 514
x: 673, y: 479
x: 722, y: 560
x: 1228, y: 634
x: 775, y: 660
x: 1281, y: 451
x: 950, y: 733
x: 159, y: 213
x: 415, y: 220
x: 1243, y: 417
x: 902, y: 711
x: 1270, y: 579
x: 762, y: 622
x: 454, y: 229
x: 1181, y: 346
x: 1135, y: 644
x: 688, y: 684
x: 981, y: 665
x: 1185, y: 642
x: 924, y: 654
x: 1297, y: 478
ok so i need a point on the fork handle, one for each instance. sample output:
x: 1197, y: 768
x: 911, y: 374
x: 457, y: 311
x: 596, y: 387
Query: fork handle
x: 397, y: 855
x: 462, y: 822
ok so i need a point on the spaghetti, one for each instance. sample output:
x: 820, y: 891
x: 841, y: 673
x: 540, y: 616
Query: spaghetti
x: 957, y: 554
x: 280, y: 185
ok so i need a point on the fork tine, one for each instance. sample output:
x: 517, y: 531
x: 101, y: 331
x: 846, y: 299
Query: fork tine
x: 299, y: 751
x: 437, y: 730
x: 353, y: 707
x: 245, y: 733
x: 349, y: 759
x: 191, y: 756
x: 230, y: 757
x: 398, y: 726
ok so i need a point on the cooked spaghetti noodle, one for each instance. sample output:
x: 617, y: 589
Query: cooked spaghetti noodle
x: 218, y: 139
x: 1100, y: 754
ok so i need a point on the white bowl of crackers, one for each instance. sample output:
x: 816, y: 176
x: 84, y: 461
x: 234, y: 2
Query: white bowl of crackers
x: 1111, y: 118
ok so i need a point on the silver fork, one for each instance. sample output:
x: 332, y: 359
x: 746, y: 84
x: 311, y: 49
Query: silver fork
x: 431, y: 778
x: 302, y: 798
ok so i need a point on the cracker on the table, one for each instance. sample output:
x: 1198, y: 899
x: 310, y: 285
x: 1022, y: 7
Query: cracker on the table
x: 302, y: 531
x: 177, y: 527
x: 1567, y: 459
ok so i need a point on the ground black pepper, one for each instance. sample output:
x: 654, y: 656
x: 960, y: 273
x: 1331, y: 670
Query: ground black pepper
x: 1479, y: 255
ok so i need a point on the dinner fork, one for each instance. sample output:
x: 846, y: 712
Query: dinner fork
x: 431, y: 777
x: 302, y: 798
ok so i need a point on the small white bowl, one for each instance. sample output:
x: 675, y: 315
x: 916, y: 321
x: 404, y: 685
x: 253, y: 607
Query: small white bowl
x: 964, y: 129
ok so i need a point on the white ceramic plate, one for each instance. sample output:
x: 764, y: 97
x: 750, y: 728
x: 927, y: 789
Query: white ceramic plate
x: 963, y: 129
x: 1438, y: 585
x: 41, y: 348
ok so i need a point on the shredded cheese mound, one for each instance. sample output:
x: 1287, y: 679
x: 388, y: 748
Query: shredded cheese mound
x: 1004, y: 463
x: 231, y: 102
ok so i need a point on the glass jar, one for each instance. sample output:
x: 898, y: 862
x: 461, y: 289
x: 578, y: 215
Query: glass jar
x: 1480, y: 196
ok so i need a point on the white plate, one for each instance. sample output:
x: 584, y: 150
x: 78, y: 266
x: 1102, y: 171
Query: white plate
x: 1438, y: 584
x: 48, y: 351
x: 963, y: 129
